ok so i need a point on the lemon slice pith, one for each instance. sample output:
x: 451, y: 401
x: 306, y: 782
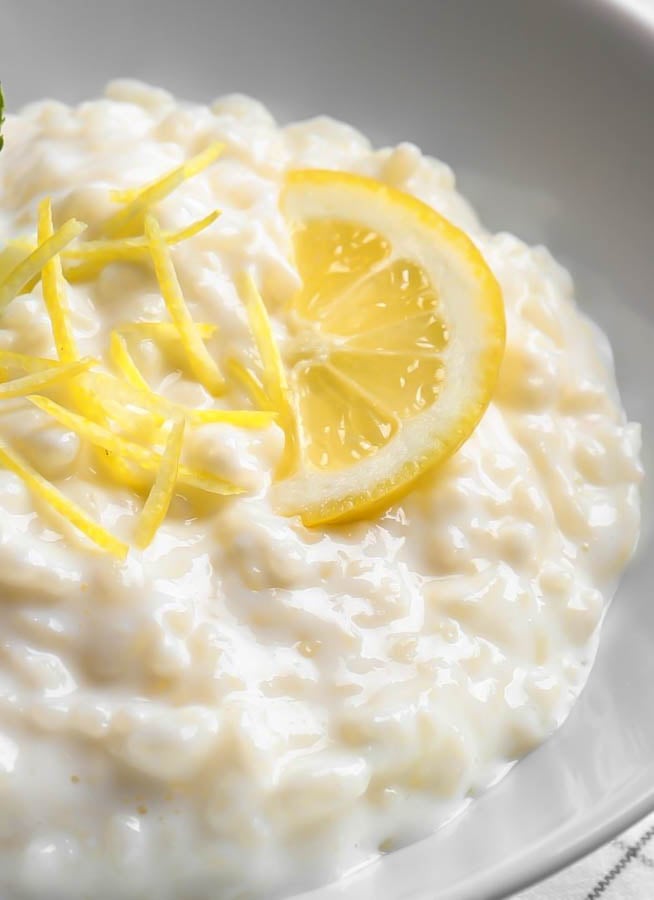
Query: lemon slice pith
x: 394, y: 347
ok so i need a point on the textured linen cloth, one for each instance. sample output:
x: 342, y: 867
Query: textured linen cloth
x: 621, y: 870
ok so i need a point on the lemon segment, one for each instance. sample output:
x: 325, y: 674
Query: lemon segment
x: 395, y: 341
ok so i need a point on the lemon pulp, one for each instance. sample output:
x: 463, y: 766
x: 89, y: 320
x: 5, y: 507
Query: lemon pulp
x: 395, y: 340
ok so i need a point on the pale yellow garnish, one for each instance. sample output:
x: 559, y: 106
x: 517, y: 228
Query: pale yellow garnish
x: 275, y: 385
x: 54, y: 290
x: 395, y: 342
x: 36, y: 381
x: 274, y: 374
x: 200, y: 361
x: 14, y: 253
x: 150, y: 460
x: 164, y: 331
x: 240, y: 418
x: 141, y: 201
x: 68, y: 510
x: 123, y: 402
x: 250, y: 382
x: 161, y: 494
x: 92, y: 256
x: 31, y: 266
x: 122, y: 359
x: 26, y: 362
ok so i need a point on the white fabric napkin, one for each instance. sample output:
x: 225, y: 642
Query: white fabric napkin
x: 621, y: 870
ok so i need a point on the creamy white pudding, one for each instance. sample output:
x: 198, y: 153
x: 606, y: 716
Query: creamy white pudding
x: 251, y: 706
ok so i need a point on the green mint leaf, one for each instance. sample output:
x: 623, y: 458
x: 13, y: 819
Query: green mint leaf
x: 2, y: 115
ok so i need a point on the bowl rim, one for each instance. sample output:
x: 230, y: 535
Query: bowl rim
x: 637, y: 23
x: 631, y: 17
x: 527, y: 875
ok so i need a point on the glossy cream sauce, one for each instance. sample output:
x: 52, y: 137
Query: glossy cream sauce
x: 249, y: 706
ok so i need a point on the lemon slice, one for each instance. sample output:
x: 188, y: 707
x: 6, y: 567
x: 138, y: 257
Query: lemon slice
x: 394, y: 343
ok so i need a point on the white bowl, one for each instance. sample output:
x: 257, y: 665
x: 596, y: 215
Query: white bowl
x: 546, y: 112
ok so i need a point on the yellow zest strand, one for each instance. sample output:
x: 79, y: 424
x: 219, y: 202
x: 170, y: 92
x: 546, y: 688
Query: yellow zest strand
x: 70, y: 511
x: 159, y: 499
x: 250, y: 382
x: 14, y: 253
x: 86, y: 401
x: 240, y: 418
x: 189, y: 231
x: 140, y: 201
x: 122, y: 472
x: 164, y: 331
x: 274, y: 376
x: 122, y: 359
x: 36, y: 381
x: 96, y: 434
x: 26, y: 362
x: 103, y: 399
x: 114, y: 394
x: 92, y: 256
x: 202, y: 364
x: 133, y: 248
x: 150, y: 460
x: 30, y: 267
x: 54, y: 290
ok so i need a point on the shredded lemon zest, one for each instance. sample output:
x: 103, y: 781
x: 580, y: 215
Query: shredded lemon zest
x: 54, y: 290
x: 148, y: 459
x: 66, y: 508
x: 13, y: 254
x: 26, y: 362
x: 240, y: 418
x: 36, y: 381
x: 134, y: 247
x: 122, y: 359
x: 189, y: 231
x: 30, y: 267
x: 104, y: 399
x: 115, y: 394
x: 250, y: 382
x: 164, y: 331
x: 91, y: 257
x: 124, y: 473
x: 160, y: 496
x: 275, y: 384
x: 141, y: 200
x: 274, y: 375
x: 202, y: 364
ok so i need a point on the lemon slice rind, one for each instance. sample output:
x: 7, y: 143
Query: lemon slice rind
x: 470, y: 301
